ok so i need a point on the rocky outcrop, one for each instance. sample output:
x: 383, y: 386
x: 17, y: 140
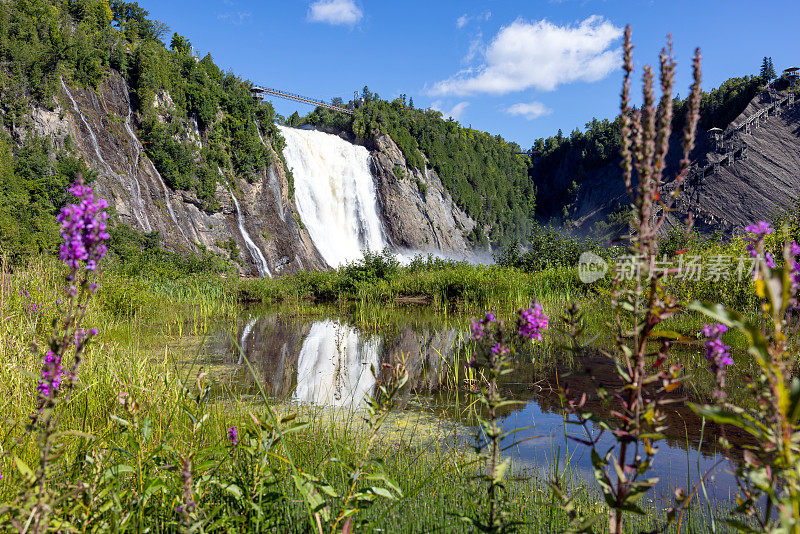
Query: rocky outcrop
x: 101, y: 124
x: 759, y: 181
x: 418, y: 213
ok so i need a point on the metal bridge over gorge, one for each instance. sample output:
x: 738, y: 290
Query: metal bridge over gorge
x: 261, y: 92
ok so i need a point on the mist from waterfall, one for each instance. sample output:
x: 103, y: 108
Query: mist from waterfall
x: 334, y: 194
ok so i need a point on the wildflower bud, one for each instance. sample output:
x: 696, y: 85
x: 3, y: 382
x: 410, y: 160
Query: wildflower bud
x: 233, y: 435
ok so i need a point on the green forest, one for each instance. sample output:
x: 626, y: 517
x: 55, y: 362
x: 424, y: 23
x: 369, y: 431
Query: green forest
x: 81, y: 41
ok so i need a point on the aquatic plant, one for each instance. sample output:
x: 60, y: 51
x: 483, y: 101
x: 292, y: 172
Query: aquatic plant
x: 496, y: 343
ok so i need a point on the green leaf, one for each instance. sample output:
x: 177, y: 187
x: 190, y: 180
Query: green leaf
x: 116, y: 470
x: 24, y: 470
x: 383, y: 492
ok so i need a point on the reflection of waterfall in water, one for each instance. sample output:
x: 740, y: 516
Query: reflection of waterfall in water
x: 334, y: 365
x: 335, y: 194
x: 258, y: 258
x: 248, y: 328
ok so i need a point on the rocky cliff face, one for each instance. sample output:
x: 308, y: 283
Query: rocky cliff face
x: 748, y: 187
x: 102, y: 124
x: 417, y: 212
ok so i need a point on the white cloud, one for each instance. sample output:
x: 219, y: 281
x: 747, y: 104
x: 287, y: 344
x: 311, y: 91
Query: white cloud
x: 237, y: 19
x: 465, y: 19
x: 455, y: 113
x: 335, y: 12
x: 529, y: 110
x: 540, y: 55
x: 476, y: 48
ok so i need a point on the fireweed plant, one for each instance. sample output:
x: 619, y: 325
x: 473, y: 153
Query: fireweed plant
x: 637, y: 399
x: 83, y: 229
x: 769, y: 477
x: 496, y: 344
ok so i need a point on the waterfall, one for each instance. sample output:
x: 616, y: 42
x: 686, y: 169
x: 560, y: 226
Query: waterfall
x: 135, y: 168
x: 95, y: 144
x: 138, y: 201
x: 335, y: 194
x: 334, y: 365
x: 273, y: 180
x: 276, y: 192
x: 255, y: 252
x: 164, y: 188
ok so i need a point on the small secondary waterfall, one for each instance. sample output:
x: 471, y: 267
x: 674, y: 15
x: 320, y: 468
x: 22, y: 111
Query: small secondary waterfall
x: 137, y: 149
x: 95, y: 144
x: 334, y: 365
x: 273, y: 180
x: 335, y: 194
x: 143, y: 219
x: 255, y: 252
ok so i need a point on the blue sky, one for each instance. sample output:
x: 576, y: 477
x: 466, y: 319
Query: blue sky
x: 521, y: 69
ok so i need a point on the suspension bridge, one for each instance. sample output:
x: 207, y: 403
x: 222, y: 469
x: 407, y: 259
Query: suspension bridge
x: 260, y: 92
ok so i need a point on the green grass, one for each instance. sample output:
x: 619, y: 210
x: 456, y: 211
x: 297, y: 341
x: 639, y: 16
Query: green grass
x: 139, y: 358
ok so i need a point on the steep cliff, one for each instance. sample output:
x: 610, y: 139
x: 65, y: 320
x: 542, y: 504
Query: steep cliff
x: 103, y: 126
x: 418, y: 212
x: 753, y: 173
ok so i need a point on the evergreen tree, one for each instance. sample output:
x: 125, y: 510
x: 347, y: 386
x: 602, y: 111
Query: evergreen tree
x: 767, y: 69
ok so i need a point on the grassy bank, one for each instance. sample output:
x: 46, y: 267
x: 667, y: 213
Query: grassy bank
x: 140, y: 411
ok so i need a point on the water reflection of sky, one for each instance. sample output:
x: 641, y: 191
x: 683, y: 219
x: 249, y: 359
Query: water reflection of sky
x: 327, y: 362
x: 677, y: 467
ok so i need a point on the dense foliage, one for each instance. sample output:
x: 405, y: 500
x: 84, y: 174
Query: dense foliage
x: 32, y: 190
x: 193, y: 119
x: 547, y: 247
x: 485, y: 175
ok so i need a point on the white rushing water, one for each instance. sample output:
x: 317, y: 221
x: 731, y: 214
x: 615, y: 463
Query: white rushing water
x: 334, y: 365
x: 273, y: 180
x: 335, y: 194
x: 137, y: 150
x: 258, y: 258
x: 93, y: 137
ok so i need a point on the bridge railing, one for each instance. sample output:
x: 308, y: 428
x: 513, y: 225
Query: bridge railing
x: 299, y: 98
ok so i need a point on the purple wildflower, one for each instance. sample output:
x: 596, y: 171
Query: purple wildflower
x: 718, y: 354
x: 795, y: 249
x: 756, y: 232
x: 532, y: 322
x: 233, y: 435
x: 499, y: 349
x: 50, y: 379
x: 83, y: 228
x: 478, y: 328
x: 769, y: 260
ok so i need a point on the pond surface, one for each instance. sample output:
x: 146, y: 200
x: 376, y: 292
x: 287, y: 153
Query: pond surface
x: 325, y: 360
